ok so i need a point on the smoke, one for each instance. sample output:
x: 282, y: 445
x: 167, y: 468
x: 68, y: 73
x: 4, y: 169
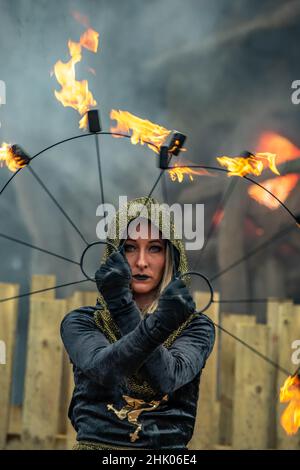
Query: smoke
x: 218, y: 71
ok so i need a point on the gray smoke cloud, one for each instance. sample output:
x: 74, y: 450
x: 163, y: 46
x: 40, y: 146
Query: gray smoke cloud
x: 218, y: 71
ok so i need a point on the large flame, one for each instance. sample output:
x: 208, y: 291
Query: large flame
x: 76, y: 93
x: 178, y: 174
x: 141, y: 130
x: 13, y: 162
x: 290, y: 392
x: 254, y: 164
x: 282, y: 186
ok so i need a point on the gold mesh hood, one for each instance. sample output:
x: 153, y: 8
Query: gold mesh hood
x: 138, y: 387
x: 159, y: 215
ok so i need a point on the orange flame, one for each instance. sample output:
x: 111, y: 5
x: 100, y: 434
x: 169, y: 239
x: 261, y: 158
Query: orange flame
x: 280, y: 187
x: 241, y: 166
x: 290, y: 392
x: 12, y: 161
x: 276, y: 143
x: 76, y: 93
x: 142, y: 131
x: 179, y: 173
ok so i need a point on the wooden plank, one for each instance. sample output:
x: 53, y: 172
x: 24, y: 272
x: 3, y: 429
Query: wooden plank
x: 272, y: 313
x: 288, y: 331
x: 8, y: 324
x: 227, y: 369
x: 43, y: 281
x: 90, y: 297
x: 43, y: 373
x: 15, y: 420
x: 78, y: 299
x: 253, y: 388
x: 70, y: 433
x: 207, y: 418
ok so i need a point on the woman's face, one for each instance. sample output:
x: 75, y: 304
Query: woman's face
x: 146, y: 257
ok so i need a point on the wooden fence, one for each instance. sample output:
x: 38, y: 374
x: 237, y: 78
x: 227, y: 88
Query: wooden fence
x: 238, y: 405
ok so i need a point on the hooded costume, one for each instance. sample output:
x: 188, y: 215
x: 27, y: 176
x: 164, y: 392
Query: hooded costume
x: 133, y: 391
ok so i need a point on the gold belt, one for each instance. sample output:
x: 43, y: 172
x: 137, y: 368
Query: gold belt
x: 86, y: 445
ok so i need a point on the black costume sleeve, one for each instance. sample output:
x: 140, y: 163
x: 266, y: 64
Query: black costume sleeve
x: 127, y: 318
x: 170, y: 369
x: 102, y: 361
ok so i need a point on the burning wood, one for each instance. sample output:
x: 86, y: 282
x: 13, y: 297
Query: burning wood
x: 13, y: 156
x: 76, y: 93
x: 290, y: 392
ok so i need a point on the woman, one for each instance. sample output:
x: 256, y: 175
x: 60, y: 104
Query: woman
x: 138, y: 354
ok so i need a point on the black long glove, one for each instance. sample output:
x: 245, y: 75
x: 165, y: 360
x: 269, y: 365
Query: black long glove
x: 174, y: 308
x: 113, y: 280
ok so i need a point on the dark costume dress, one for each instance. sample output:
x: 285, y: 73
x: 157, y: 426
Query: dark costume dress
x: 131, y: 392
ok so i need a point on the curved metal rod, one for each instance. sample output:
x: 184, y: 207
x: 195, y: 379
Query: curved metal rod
x: 208, y: 167
x: 101, y: 242
x: 245, y: 177
x: 191, y: 272
x: 196, y: 273
x: 68, y: 140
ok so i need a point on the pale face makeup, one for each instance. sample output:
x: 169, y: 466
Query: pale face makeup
x: 146, y: 258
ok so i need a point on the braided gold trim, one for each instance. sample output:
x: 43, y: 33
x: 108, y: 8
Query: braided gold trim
x: 132, y: 208
x: 87, y: 445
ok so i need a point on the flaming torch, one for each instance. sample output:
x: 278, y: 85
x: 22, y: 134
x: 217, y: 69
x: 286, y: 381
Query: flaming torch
x: 13, y: 156
x: 290, y: 392
x: 74, y: 93
x: 158, y: 138
x: 141, y: 130
x: 249, y: 164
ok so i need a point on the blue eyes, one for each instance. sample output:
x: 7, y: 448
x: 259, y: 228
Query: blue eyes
x: 129, y: 248
x: 153, y: 248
